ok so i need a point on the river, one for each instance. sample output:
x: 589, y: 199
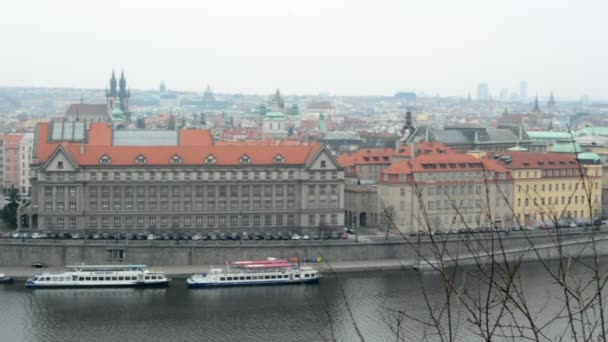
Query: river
x: 273, y: 313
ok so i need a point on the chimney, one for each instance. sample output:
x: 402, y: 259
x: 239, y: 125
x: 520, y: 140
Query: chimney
x: 413, y: 154
x: 81, y: 148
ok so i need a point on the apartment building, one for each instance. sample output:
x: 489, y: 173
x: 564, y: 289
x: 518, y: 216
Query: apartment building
x: 445, y: 192
x: 553, y: 186
x: 100, y: 178
x: 11, y: 162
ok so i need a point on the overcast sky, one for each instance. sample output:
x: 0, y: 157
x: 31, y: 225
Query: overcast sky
x: 352, y: 47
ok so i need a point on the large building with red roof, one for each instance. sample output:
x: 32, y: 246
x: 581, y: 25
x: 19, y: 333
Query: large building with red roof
x: 445, y: 192
x: 94, y: 177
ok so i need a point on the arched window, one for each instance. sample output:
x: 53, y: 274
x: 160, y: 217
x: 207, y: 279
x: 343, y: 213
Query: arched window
x: 176, y: 159
x: 210, y: 159
x: 140, y: 159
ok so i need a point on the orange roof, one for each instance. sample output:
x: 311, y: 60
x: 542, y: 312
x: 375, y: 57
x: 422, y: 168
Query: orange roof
x: 444, y: 163
x: 193, y: 150
x: 425, y: 147
x: 11, y: 138
x: 538, y: 160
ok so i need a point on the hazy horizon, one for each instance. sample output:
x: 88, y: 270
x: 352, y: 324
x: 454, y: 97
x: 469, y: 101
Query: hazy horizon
x: 341, y: 47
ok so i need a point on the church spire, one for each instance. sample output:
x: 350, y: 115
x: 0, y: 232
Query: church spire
x: 112, y: 91
x: 536, y: 108
x: 551, y: 102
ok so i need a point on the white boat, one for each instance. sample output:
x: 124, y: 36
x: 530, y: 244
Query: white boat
x: 99, y: 276
x: 4, y: 278
x: 256, y: 272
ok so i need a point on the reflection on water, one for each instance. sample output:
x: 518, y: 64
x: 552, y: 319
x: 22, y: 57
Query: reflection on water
x: 265, y: 313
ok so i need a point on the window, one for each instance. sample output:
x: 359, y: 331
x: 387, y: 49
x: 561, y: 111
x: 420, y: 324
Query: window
x: 279, y: 220
x: 256, y: 220
x: 268, y: 220
x: 60, y: 165
x: 311, y: 189
x: 323, y: 163
x: 311, y: 204
x: 210, y: 159
x: 72, y: 206
x: 245, y: 159
x: 176, y: 159
x: 140, y: 159
x: 211, y: 221
x: 290, y: 219
x: 290, y: 175
x: 311, y: 220
x: 278, y: 159
x: 105, y: 159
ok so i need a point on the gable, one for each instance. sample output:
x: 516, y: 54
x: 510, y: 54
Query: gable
x: 323, y: 160
x: 60, y: 161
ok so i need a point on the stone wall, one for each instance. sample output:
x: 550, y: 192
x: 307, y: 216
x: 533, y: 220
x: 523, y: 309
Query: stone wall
x: 60, y: 253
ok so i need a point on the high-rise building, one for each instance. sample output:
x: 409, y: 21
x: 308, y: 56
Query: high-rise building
x: 483, y: 92
x: 523, y: 90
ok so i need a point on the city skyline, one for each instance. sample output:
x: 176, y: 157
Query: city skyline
x: 354, y: 48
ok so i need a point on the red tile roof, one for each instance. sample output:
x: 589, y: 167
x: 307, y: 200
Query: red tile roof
x: 194, y: 148
x: 538, y: 160
x: 444, y: 163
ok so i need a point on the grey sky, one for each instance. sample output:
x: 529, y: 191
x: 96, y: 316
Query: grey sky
x: 344, y: 47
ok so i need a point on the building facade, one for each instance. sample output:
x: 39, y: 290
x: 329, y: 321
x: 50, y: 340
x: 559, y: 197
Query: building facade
x: 553, y: 186
x: 445, y: 192
x: 11, y: 162
x: 109, y: 179
x: 26, y: 150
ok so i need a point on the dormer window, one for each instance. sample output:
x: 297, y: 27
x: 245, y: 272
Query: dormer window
x: 278, y: 159
x: 323, y: 162
x: 245, y: 159
x: 210, y: 159
x: 105, y: 159
x: 60, y: 165
x: 140, y: 159
x: 176, y: 159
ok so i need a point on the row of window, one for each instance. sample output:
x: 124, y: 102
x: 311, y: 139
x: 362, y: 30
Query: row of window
x: 198, y: 190
x: 550, y: 187
x: 243, y: 204
x: 566, y: 214
x: 551, y: 200
x: 553, y: 173
x: 188, y: 176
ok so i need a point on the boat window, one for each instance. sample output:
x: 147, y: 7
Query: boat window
x: 88, y: 278
x: 81, y: 278
x: 307, y: 275
x: 121, y: 278
x: 248, y: 278
x: 273, y: 277
x: 222, y: 278
x: 229, y: 278
x: 297, y: 276
x: 241, y: 278
x: 147, y: 278
x: 266, y: 277
x: 286, y: 276
x: 114, y: 278
x: 108, y: 278
x: 94, y: 278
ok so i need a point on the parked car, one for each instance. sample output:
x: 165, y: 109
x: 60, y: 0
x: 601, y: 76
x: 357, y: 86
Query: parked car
x: 343, y: 236
x: 39, y: 264
x: 305, y: 237
x: 76, y: 236
x: 150, y: 237
x: 334, y: 236
x: 316, y: 236
x: 213, y: 236
x: 296, y: 237
x: 196, y: 237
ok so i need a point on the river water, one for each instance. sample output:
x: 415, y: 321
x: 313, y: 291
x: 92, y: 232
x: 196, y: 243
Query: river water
x: 271, y: 313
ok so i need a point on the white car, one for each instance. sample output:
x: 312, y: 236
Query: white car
x: 306, y: 237
x: 296, y: 237
x: 36, y: 236
x: 196, y: 237
x: 150, y: 237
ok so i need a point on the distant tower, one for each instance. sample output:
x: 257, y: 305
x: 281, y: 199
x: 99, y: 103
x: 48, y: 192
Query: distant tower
x: 208, y: 95
x: 483, y: 92
x: 163, y: 88
x: 118, y: 97
x: 551, y: 102
x: 123, y: 93
x: 469, y: 97
x: 536, y: 108
x: 277, y: 104
x: 523, y: 90
x: 408, y: 128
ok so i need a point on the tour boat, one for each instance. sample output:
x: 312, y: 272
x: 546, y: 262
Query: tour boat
x: 256, y: 272
x: 5, y: 279
x: 99, y: 276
